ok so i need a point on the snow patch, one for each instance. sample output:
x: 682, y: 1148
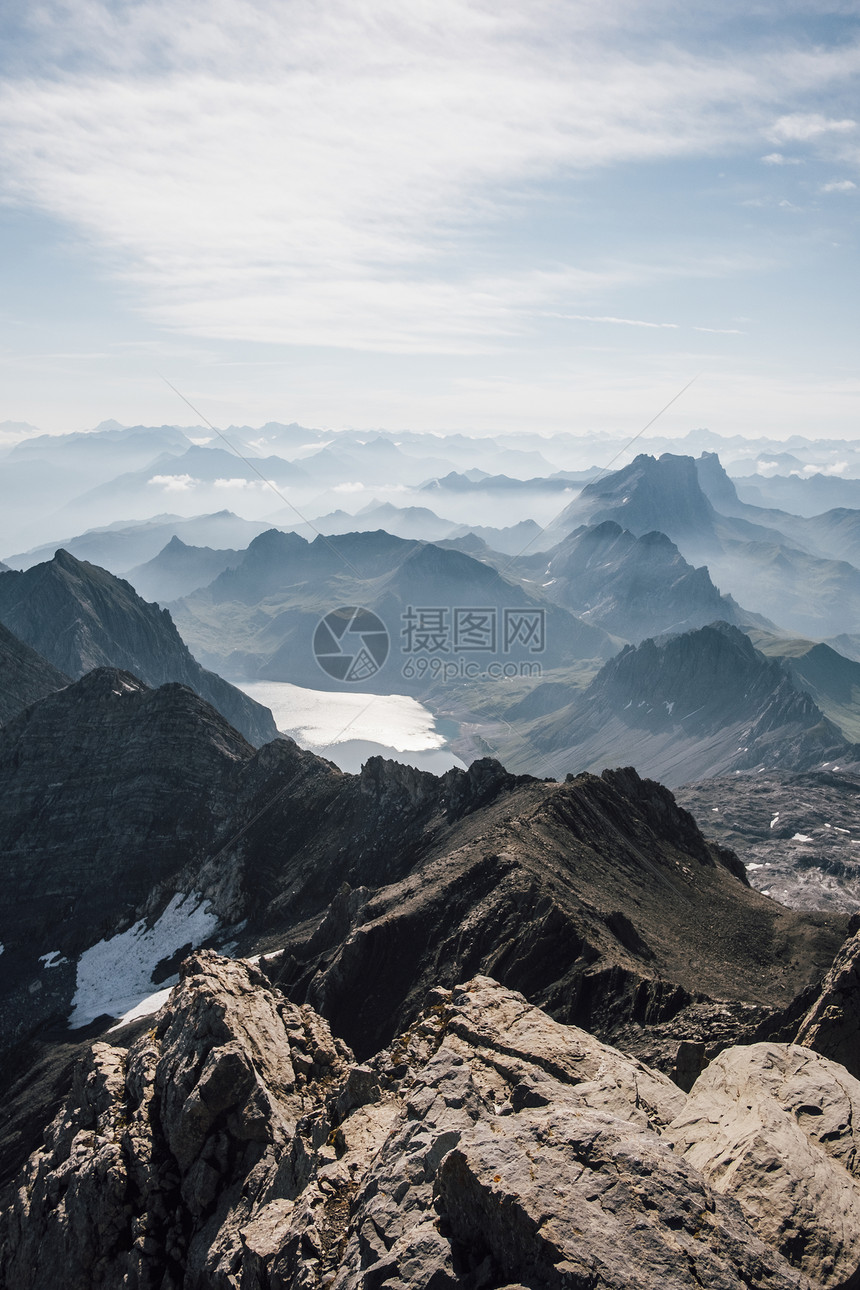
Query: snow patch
x: 755, y: 866
x: 145, y: 1008
x: 114, y: 976
x: 801, y: 837
x: 774, y: 820
x: 53, y: 959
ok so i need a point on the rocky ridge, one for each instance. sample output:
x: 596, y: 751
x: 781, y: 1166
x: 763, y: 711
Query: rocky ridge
x: 236, y: 1143
x: 597, y: 898
x: 81, y: 617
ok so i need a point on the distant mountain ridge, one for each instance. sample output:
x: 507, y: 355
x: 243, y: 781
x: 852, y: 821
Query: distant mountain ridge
x: 179, y: 569
x: 634, y: 587
x: 686, y: 708
x: 259, y: 618
x: 120, y: 547
x: 81, y: 617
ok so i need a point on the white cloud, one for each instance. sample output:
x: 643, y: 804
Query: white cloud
x: 839, y: 186
x: 722, y: 331
x: 810, y: 125
x: 778, y: 159
x: 625, y: 322
x: 342, y: 175
x: 174, y: 483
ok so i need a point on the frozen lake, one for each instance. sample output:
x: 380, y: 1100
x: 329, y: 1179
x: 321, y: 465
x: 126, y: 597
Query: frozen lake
x: 348, y: 727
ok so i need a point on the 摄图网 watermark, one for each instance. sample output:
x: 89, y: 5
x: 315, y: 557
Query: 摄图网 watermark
x: 437, y: 642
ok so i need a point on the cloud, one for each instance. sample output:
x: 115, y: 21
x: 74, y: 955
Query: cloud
x: 777, y: 159
x: 839, y: 186
x: 625, y: 322
x: 722, y: 331
x: 348, y: 175
x: 174, y: 483
x: 804, y: 127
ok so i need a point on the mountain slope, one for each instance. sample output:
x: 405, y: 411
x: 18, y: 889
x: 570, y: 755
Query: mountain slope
x: 631, y: 586
x: 696, y: 705
x: 80, y: 617
x: 796, y: 833
x: 24, y: 676
x: 583, y: 894
x: 179, y: 569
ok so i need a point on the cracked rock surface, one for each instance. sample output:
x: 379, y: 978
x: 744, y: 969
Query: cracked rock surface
x: 237, y: 1144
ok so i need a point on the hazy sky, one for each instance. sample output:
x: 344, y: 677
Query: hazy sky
x: 439, y: 215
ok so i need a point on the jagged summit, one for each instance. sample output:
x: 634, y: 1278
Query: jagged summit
x: 651, y: 493
x: 79, y: 616
x: 632, y: 586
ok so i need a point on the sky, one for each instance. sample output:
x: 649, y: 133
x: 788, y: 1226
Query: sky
x: 485, y: 217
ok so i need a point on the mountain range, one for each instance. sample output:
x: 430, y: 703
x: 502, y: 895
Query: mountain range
x: 688, y: 707
x: 259, y: 619
x: 471, y: 926
x: 632, y: 586
x: 532, y: 1023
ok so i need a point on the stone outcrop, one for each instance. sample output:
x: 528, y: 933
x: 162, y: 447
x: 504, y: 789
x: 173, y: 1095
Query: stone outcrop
x: 149, y: 1175
x: 832, y: 1025
x: 236, y: 1145
x: 777, y: 1127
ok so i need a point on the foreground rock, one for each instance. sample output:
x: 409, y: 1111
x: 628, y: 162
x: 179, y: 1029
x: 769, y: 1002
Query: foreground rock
x: 832, y: 1025
x: 153, y: 1168
x: 777, y: 1127
x: 235, y: 1145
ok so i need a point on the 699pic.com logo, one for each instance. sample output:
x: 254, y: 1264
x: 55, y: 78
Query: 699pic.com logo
x: 351, y: 644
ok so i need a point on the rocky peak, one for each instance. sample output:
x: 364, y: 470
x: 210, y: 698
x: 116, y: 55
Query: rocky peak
x: 716, y: 484
x: 394, y: 786
x: 79, y: 617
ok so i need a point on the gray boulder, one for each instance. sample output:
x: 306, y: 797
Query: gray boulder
x: 777, y: 1127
